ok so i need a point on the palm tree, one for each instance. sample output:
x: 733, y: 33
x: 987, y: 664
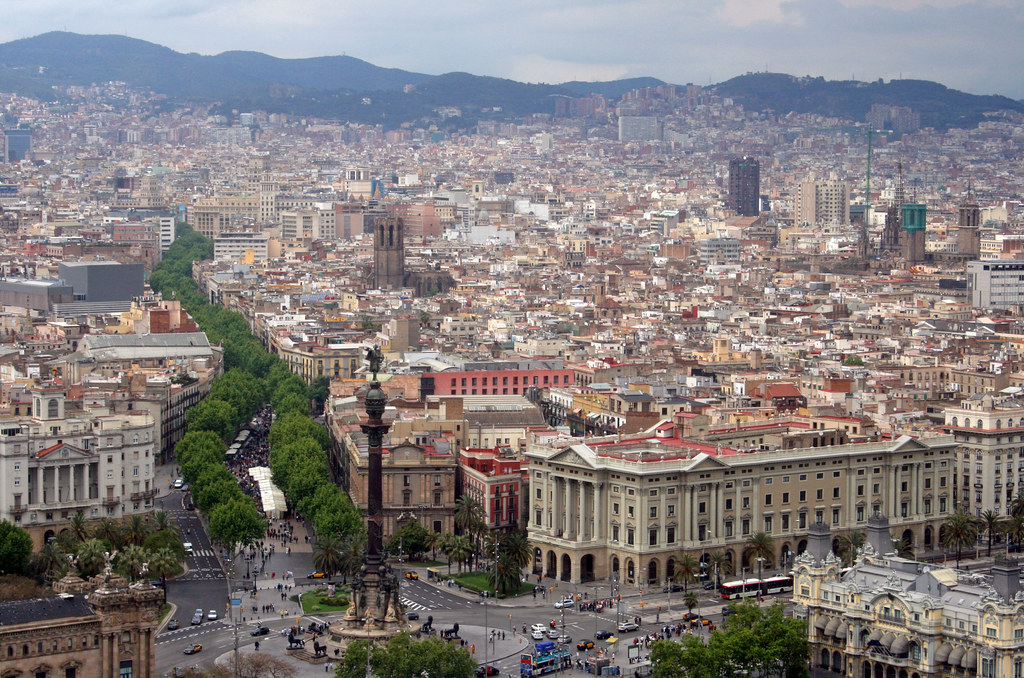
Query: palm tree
x: 352, y: 546
x: 163, y: 523
x: 849, y: 544
x: 162, y: 563
x: 760, y: 545
x: 506, y: 575
x: 1015, y: 530
x: 1017, y: 505
x: 432, y: 541
x: 690, y: 601
x: 135, y: 529
x: 687, y: 568
x: 959, y: 530
x: 460, y: 550
x: 130, y: 560
x: 445, y: 544
x: 467, y: 513
x: 90, y: 557
x: 517, y: 547
x: 327, y: 554
x: 991, y: 523
x: 79, y: 528
x: 49, y: 562
x: 719, y: 562
x: 902, y: 548
x: 110, y: 531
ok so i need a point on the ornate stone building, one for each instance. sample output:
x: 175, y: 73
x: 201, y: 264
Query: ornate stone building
x: 889, y: 617
x: 109, y: 634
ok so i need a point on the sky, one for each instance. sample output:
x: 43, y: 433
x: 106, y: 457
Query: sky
x: 972, y: 45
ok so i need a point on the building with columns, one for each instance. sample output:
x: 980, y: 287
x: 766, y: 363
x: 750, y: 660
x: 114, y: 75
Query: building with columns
x: 56, y: 462
x: 635, y: 505
x: 890, y: 617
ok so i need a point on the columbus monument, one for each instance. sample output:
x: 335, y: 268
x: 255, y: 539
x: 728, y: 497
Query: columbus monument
x: 374, y: 612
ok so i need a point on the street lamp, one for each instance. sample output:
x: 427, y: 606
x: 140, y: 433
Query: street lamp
x: 760, y: 562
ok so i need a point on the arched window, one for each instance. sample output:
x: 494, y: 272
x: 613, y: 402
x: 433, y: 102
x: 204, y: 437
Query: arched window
x: 999, y: 423
x: 967, y: 422
x: 52, y: 409
x: 954, y: 421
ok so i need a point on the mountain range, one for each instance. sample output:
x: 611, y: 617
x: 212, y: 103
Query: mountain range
x: 347, y: 88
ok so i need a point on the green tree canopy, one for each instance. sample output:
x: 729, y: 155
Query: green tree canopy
x: 15, y: 548
x: 237, y: 523
x: 213, y: 415
x: 403, y: 657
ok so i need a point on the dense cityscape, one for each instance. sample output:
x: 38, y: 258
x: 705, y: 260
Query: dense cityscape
x: 636, y: 386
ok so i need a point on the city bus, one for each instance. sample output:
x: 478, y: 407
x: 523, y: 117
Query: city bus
x: 546, y: 658
x: 780, y: 584
x: 741, y: 588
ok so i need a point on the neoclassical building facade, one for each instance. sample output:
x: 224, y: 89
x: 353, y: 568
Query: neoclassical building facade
x: 890, y: 617
x: 636, y: 505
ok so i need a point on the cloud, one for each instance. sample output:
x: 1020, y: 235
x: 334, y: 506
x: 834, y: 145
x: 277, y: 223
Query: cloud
x: 537, y: 68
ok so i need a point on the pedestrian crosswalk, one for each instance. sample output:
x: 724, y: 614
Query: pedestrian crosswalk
x: 203, y: 553
x: 411, y: 605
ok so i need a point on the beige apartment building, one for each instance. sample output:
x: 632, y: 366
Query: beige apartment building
x: 989, y: 470
x: 635, y: 506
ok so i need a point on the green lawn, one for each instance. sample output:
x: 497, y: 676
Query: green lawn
x: 317, y: 600
x: 477, y: 581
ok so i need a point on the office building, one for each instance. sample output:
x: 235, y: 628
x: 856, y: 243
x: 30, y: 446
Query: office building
x: 102, y: 281
x: 247, y: 246
x: 892, y: 617
x: 636, y: 505
x: 996, y: 285
x: 17, y: 144
x: 745, y: 186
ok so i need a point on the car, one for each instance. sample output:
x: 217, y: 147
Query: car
x: 482, y: 671
x: 315, y: 575
x: 173, y: 625
x: 709, y: 586
x: 212, y: 615
x: 197, y: 617
x: 627, y: 626
x: 585, y: 644
x: 553, y: 633
x: 189, y: 506
x: 259, y: 631
x: 412, y: 575
x: 564, y: 639
x: 193, y: 649
x: 188, y: 548
x: 537, y: 635
x: 674, y: 588
x: 727, y: 610
x: 178, y: 482
x: 184, y: 488
x: 564, y: 602
x: 412, y: 616
x: 603, y: 633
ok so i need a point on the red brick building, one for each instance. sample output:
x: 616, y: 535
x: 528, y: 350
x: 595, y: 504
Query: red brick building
x: 494, y: 382
x: 494, y: 478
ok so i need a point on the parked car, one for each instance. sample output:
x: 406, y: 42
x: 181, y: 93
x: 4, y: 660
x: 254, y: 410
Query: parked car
x: 603, y: 633
x: 627, y: 626
x: 412, y: 616
x: 212, y: 615
x: 564, y: 602
x: 709, y: 586
x: 259, y: 631
x: 172, y: 625
x: 412, y: 575
x: 674, y: 587
x: 483, y: 671
x: 193, y: 649
x: 585, y: 644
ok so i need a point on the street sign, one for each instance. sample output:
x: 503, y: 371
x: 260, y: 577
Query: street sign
x: 236, y: 602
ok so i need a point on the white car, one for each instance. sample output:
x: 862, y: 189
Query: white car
x: 628, y: 626
x: 188, y: 548
x: 553, y: 633
x: 537, y: 632
x: 564, y: 602
x: 212, y: 615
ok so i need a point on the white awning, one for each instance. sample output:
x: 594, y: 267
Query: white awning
x: 830, y: 630
x: 970, y: 660
x: 955, y: 656
x: 841, y: 631
x: 900, y: 646
x: 943, y: 652
x: 820, y: 623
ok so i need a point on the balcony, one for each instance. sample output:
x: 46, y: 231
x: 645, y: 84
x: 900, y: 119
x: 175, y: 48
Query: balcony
x: 18, y: 509
x: 111, y: 501
x: 148, y: 494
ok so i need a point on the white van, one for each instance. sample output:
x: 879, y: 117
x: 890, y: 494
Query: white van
x: 188, y: 548
x: 178, y: 483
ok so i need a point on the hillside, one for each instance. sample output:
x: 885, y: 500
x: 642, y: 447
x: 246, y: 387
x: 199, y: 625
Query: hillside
x: 346, y: 88
x: 939, y: 106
